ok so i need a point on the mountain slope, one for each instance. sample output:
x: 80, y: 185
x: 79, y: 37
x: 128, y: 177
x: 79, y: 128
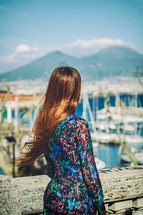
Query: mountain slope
x: 114, y: 61
x: 108, y: 63
x: 41, y: 68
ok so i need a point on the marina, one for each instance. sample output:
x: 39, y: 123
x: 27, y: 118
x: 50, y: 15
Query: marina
x: 107, y: 133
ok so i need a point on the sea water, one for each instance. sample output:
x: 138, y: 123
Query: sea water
x: 108, y: 154
x: 2, y: 172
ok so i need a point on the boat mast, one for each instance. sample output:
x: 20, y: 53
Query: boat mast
x: 86, y: 107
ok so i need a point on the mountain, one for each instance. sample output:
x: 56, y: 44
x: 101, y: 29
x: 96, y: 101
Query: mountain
x: 108, y: 63
x: 39, y: 69
x: 114, y: 61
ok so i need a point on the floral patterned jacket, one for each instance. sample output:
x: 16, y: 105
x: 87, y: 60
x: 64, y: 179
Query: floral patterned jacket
x: 75, y: 187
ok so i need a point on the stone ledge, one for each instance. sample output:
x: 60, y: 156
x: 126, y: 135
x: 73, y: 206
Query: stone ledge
x: 138, y: 203
x: 122, y: 205
x: 120, y: 185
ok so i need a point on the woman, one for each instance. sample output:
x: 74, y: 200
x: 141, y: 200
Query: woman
x: 64, y: 139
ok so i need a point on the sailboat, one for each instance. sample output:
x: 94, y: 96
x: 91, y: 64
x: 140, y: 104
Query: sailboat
x: 86, y: 107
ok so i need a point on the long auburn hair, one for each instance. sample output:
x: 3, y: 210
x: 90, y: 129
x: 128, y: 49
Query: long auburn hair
x: 60, y: 100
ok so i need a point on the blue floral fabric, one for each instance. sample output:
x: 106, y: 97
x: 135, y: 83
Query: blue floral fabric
x: 75, y: 186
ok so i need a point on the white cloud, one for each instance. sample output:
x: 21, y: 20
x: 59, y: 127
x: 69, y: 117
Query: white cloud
x: 23, y: 48
x: 23, y: 54
x: 36, y: 49
x: 12, y: 56
x: 96, y: 42
x: 81, y: 48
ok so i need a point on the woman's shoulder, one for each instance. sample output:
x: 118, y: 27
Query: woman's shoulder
x: 72, y: 120
x: 76, y: 120
x: 81, y: 120
x: 82, y: 124
x: 72, y: 123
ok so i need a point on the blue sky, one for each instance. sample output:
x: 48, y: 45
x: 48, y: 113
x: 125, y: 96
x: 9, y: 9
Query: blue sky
x: 31, y: 28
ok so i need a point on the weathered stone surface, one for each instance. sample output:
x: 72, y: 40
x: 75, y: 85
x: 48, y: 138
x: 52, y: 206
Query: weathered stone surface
x: 137, y: 213
x: 120, y: 212
x: 117, y: 206
x: 5, y: 182
x: 31, y: 190
x: 138, y: 203
x: 122, y: 183
x: 110, y: 212
x: 9, y: 198
x: 15, y: 206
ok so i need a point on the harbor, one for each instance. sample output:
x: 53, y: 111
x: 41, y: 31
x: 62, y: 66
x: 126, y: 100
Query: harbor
x: 107, y: 132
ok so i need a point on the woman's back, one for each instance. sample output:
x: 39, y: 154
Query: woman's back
x: 75, y: 186
x: 65, y: 140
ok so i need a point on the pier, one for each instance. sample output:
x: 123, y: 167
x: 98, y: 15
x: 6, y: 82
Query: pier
x: 123, y: 192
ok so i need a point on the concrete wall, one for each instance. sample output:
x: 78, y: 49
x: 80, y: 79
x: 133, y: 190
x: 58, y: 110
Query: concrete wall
x: 123, y: 192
